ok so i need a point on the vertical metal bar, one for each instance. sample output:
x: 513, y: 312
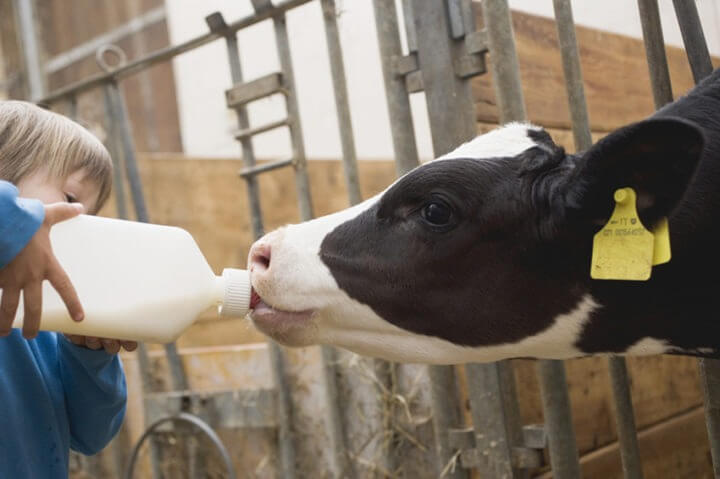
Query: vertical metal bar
x: 277, y: 361
x: 298, y: 145
x: 248, y: 153
x: 177, y: 370
x: 398, y: 102
x: 342, y: 466
x: 25, y: 13
x: 342, y: 105
x: 573, y: 74
x: 508, y: 89
x: 73, y: 107
x: 558, y: 420
x: 693, y: 38
x: 114, y: 119
x: 487, y: 406
x: 452, y: 122
x: 445, y: 415
x: 506, y: 74
x: 701, y: 65
x: 449, y: 98
x: 655, y: 52
x: 112, y: 144
x: 710, y: 375
x: 627, y: 433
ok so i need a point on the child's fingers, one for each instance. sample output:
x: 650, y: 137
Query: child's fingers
x: 32, y: 300
x: 57, y: 212
x: 77, y: 340
x: 129, y: 345
x: 8, y: 307
x: 62, y: 284
x: 93, y: 343
x: 111, y: 346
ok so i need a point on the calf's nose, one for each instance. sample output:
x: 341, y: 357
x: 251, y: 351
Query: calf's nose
x: 259, y: 257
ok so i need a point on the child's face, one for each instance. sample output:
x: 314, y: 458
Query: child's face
x: 76, y: 188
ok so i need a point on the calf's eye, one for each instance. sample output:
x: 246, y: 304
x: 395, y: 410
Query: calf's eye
x: 437, y: 213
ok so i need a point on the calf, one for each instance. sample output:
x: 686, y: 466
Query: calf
x: 484, y: 253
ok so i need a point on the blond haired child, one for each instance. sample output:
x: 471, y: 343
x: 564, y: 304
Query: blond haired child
x: 58, y: 392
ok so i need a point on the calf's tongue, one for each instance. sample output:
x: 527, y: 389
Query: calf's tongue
x: 255, y: 299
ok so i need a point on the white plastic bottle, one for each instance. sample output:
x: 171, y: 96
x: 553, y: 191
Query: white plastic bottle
x: 136, y: 281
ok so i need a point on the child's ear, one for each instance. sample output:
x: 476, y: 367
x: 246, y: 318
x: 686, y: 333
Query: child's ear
x: 655, y: 157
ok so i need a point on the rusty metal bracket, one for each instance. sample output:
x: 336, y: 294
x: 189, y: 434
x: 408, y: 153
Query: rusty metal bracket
x: 236, y: 408
x: 529, y: 455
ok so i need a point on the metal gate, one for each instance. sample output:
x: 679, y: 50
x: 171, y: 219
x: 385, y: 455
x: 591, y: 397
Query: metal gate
x: 445, y: 49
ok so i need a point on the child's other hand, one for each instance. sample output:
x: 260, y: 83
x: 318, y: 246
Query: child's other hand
x: 111, y: 346
x: 26, y: 272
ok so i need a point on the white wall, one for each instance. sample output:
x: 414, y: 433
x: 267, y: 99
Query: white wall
x: 203, y: 75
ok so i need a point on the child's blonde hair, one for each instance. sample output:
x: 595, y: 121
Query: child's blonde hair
x: 32, y: 138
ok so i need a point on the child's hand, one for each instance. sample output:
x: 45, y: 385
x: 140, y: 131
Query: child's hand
x: 112, y: 346
x: 26, y: 272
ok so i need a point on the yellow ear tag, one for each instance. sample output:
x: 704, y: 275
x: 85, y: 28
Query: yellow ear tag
x: 661, y: 252
x: 623, y: 249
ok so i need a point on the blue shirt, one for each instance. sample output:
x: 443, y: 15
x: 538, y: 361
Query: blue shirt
x: 53, y: 395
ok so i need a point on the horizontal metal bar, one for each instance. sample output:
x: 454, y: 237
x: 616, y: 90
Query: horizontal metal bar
x: 222, y: 409
x: 167, y: 53
x: 136, y: 25
x: 244, y: 93
x: 250, y: 132
x: 256, y: 170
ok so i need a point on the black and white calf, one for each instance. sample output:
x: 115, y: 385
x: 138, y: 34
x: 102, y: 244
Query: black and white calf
x: 484, y: 253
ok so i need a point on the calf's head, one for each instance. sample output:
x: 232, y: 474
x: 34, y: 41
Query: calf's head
x: 480, y: 255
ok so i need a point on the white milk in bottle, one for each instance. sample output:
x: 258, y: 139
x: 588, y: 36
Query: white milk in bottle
x: 136, y: 281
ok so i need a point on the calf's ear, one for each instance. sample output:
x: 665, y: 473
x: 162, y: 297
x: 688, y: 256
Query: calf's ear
x: 655, y: 157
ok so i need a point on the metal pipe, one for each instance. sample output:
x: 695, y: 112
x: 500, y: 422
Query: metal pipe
x: 487, y: 406
x: 503, y: 54
x: 248, y: 154
x: 342, y: 104
x: 627, y: 433
x: 701, y: 66
x: 508, y: 91
x: 655, y: 52
x: 190, y: 419
x: 264, y: 168
x: 693, y: 38
x: 573, y: 74
x: 445, y: 415
x: 398, y: 101
x: 710, y: 378
x: 284, y: 405
x: 302, y: 184
x: 558, y: 420
x: 170, y: 52
x: 25, y: 13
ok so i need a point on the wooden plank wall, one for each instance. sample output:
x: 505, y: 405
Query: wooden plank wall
x: 150, y: 95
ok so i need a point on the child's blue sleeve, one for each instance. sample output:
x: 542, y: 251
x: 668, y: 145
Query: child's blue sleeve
x: 95, y: 395
x: 20, y: 218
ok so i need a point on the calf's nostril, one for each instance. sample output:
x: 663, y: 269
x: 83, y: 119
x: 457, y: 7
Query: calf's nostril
x: 260, y: 257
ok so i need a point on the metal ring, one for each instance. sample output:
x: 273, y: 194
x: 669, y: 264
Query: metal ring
x: 182, y: 417
x: 115, y: 50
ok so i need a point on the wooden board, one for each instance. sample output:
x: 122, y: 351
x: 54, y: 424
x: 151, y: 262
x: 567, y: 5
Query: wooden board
x: 615, y: 72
